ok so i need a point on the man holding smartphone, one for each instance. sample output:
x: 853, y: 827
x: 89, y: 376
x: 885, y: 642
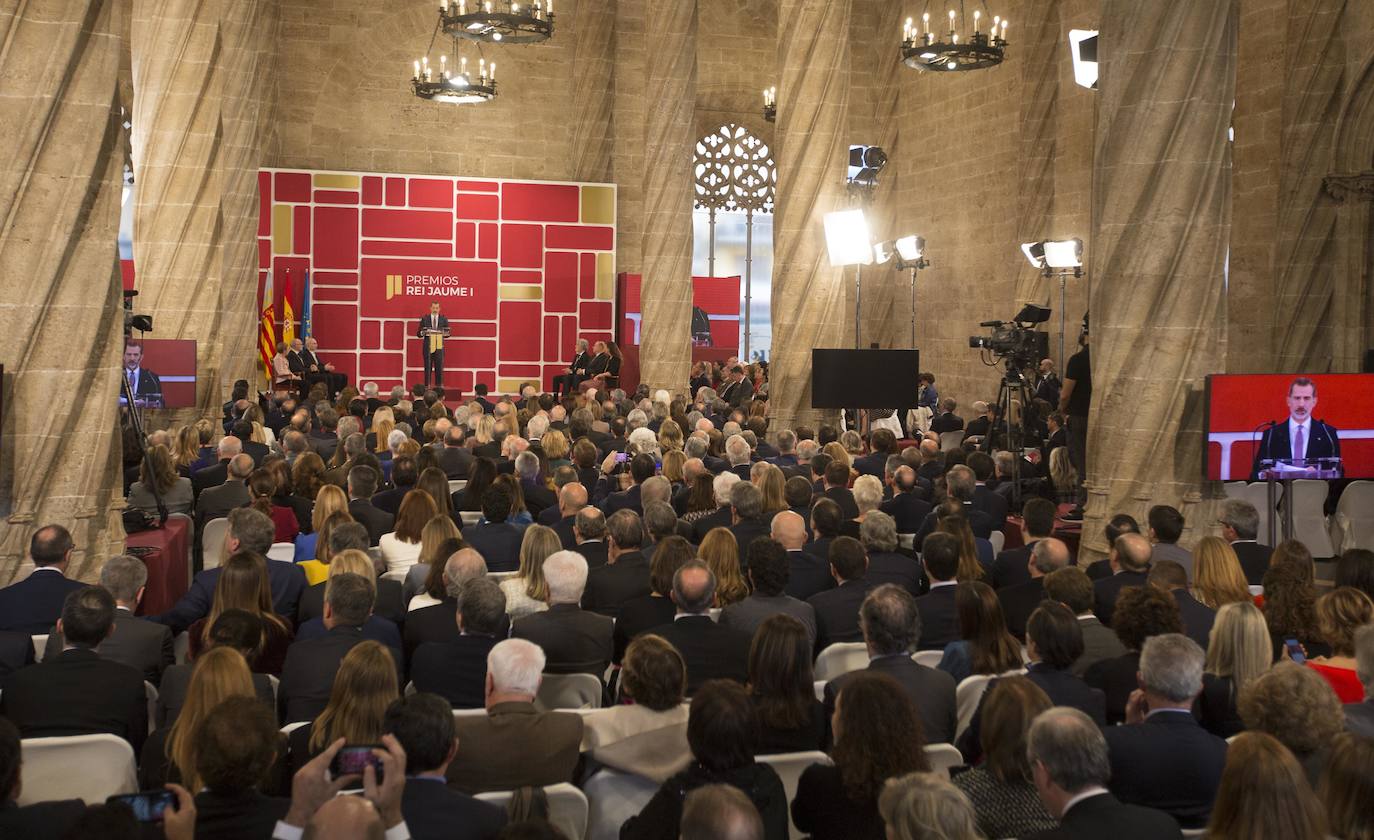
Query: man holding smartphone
x: 315, y: 800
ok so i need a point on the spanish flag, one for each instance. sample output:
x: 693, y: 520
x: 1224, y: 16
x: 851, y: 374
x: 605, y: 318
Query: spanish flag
x: 288, y: 313
x: 267, y: 343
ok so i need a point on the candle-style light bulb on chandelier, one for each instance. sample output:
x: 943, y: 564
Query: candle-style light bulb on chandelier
x: 958, y: 41
x: 462, y: 83
x: 770, y: 104
x: 498, y: 21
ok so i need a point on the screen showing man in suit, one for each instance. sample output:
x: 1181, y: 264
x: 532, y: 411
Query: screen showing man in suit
x: 433, y: 330
x: 1291, y: 446
x: 145, y: 385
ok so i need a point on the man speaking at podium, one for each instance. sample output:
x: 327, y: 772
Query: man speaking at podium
x: 433, y: 330
x: 1303, y: 437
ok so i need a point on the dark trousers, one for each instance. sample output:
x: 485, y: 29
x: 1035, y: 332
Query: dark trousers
x: 434, y: 363
x: 1078, y: 455
x: 565, y: 383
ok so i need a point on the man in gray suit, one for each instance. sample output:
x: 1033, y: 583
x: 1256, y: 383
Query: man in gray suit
x: 768, y: 574
x: 143, y: 645
x: 1359, y: 717
x: 1071, y: 587
x: 216, y: 502
x: 1166, y: 526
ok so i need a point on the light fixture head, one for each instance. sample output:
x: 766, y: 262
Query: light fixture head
x: 1035, y: 253
x: 1083, y: 46
x: 910, y: 248
x: 847, y: 239
x: 1064, y: 253
x: 865, y: 162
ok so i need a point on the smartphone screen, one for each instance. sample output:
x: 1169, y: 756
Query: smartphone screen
x: 148, y: 806
x: 352, y: 759
x: 1294, y: 651
x: 622, y: 457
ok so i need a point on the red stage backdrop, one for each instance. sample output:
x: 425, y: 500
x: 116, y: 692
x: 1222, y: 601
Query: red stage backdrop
x: 522, y: 270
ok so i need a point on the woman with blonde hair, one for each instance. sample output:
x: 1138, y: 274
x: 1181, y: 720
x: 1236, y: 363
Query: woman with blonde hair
x: 186, y: 449
x: 1237, y: 654
x: 382, y: 424
x: 364, y: 686
x: 243, y: 585
x: 314, y: 547
x: 670, y: 436
x: 771, y: 482
x: 555, y: 445
x: 674, y: 461
x: 485, y: 437
x: 157, y: 472
x: 527, y: 592
x: 1264, y: 794
x: 169, y: 754
x: 1340, y: 613
x: 1217, y: 575
x: 401, y: 547
x: 839, y: 454
x: 1063, y: 476
x: 720, y: 551
x: 926, y: 806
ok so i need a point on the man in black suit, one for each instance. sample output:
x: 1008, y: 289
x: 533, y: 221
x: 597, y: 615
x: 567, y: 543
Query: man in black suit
x: 959, y: 486
x: 1301, y: 436
x: 403, y: 479
x: 748, y: 522
x: 709, y: 650
x: 362, y: 486
x: 1059, y: 436
x: 947, y: 420
x: 739, y: 390
x: 243, y: 430
x: 891, y: 626
x: 837, y: 610
x: 456, y: 670
x: 141, y: 644
x: 625, y: 574
x: 423, y: 724
x: 1012, y: 566
x: 308, y: 675
x: 455, y: 459
x: 837, y: 490
x: 146, y: 387
x: 984, y: 499
x: 235, y: 749
x: 881, y: 442
x: 1070, y: 767
x: 497, y: 540
x: 939, y: 616
x: 537, y: 496
x: 1019, y: 601
x: 431, y: 331
x: 566, y: 383
x: 1163, y: 758
x: 642, y: 468
x: 906, y: 506
x: 1240, y: 527
x: 1197, y: 617
x: 16, y: 651
x: 78, y: 692
x: 588, y: 533
x: 1130, y: 562
x: 215, y: 474
x: 34, y: 604
x: 574, y: 640
x: 439, y: 623
x: 216, y: 502
x: 886, y: 564
x: 807, y: 574
x: 49, y: 820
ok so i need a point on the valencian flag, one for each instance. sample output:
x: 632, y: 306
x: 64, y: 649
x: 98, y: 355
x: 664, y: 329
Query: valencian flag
x: 305, y: 307
x: 267, y: 344
x: 288, y: 314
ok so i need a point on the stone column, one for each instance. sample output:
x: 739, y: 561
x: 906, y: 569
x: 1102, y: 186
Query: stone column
x: 886, y: 313
x: 627, y: 157
x: 61, y: 160
x: 1161, y: 201
x: 593, y: 90
x: 1039, y: 52
x: 665, y: 349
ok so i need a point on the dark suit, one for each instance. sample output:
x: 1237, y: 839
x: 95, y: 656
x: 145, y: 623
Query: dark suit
x: 1010, y: 567
x: 1018, y: 602
x: 993, y: 505
x: 593, y: 551
x: 1063, y: 689
x: 234, y: 816
x: 1107, y: 590
x: 498, y: 543
x: 620, y: 500
x: 143, y: 645
x: 907, y: 510
x: 455, y: 461
x: 837, y: 612
x: 1197, y: 617
x: 434, y: 362
x: 378, y: 521
x: 931, y: 689
x: 1116, y: 678
x: 171, y: 695
x: 454, y: 670
x: 637, y: 616
x: 946, y: 422
x: 808, y: 575
x: 16, y: 651
x: 577, y: 371
x: 256, y: 451
x: 434, y: 811
x: 1099, y: 643
x: 34, y: 604
x: 892, y: 567
x: 979, y: 522
x: 1254, y: 560
x: 575, y: 641
x: 437, y: 623
x: 389, y: 501
x: 514, y: 745
x: 308, y: 675
x: 538, y: 497
x: 563, y: 527
x: 77, y: 693
x: 844, y: 497
x: 286, y: 579
x: 1322, y: 442
x: 703, y: 526
x: 41, y: 820
x: 872, y: 464
x: 611, y: 585
x: 211, y: 476
x: 390, y: 603
x: 939, y: 618
x: 1167, y: 762
x: 1103, y: 816
x: 738, y: 393
x: 746, y: 531
x: 216, y: 502
x: 146, y: 386
x: 709, y: 650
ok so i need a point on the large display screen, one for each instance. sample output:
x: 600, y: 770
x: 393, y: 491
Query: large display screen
x: 1255, y: 420
x: 161, y: 372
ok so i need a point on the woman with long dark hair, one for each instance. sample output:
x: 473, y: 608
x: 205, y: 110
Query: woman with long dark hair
x: 243, y: 585
x: 782, y: 688
x: 984, y: 646
x: 364, y: 686
x: 481, y: 475
x: 262, y: 488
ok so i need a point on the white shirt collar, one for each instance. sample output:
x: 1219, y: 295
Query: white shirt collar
x: 939, y: 583
x: 1095, y: 790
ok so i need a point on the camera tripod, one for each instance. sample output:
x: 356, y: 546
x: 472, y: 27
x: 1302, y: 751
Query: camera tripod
x: 1013, y: 388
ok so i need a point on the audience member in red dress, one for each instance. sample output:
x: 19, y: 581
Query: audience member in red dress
x: 1339, y: 614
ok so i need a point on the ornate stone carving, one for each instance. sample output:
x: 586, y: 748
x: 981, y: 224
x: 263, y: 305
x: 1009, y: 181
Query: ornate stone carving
x: 1352, y: 187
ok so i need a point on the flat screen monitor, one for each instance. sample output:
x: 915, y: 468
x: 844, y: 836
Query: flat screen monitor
x: 1249, y: 418
x: 864, y: 378
x: 161, y: 372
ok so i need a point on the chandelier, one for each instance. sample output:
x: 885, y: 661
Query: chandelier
x: 459, y: 84
x: 949, y: 51
x: 503, y: 21
x: 770, y: 104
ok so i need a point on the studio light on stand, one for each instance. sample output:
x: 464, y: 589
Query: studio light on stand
x: 1057, y: 257
x: 908, y: 252
x: 1083, y: 47
x: 848, y: 242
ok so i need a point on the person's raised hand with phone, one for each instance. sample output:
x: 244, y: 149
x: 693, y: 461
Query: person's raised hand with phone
x: 180, y: 823
x: 311, y: 787
x: 386, y: 795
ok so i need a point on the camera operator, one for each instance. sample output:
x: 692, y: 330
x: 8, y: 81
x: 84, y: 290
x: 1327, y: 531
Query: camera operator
x: 1074, y: 398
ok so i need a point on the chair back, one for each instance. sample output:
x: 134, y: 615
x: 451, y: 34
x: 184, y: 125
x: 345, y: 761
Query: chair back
x: 1257, y: 494
x: 567, y: 807
x: 284, y: 552
x: 91, y: 768
x: 293, y: 726
x: 150, y: 693
x: 969, y: 693
x: 1309, y: 517
x: 460, y: 713
x: 614, y: 797
x: 1353, y: 524
x: 907, y: 541
x: 457, y: 484
x: 40, y: 646
x: 841, y: 658
x: 181, y: 647
x: 998, y: 540
x: 470, y: 517
x: 789, y: 767
x: 943, y: 757
x: 212, y: 541
x: 950, y: 441
x: 928, y: 658
x: 568, y: 691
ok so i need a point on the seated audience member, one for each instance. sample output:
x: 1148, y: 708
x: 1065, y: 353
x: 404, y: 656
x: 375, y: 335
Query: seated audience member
x: 1011, y: 567
x: 34, y: 604
x: 514, y: 745
x: 243, y: 585
x: 1197, y: 617
x: 157, y: 473
x: 238, y: 630
x: 311, y: 664
x: 496, y: 539
x: 1240, y: 527
x: 648, y: 737
x: 625, y: 574
x: 439, y: 623
x: 639, y: 615
x: 939, y: 612
x: 1001, y: 788
x: 782, y: 689
x: 456, y: 670
x: 1347, y: 787
x: 376, y: 628
x: 721, y: 734
x: 1019, y: 600
x: 401, y: 546
x: 574, y: 640
x: 1237, y: 654
x: 1121, y: 523
x: 877, y: 737
x: 975, y: 554
x: 527, y: 592
x: 720, y: 551
x: 1071, y: 769
x: 1143, y: 612
x: 589, y: 536
x: 984, y: 645
x: 439, y: 538
x: 1130, y: 561
x: 169, y: 754
x: 78, y: 692
x: 1264, y: 795
x: 236, y: 746
x: 1165, y: 527
x: 136, y: 642
x: 749, y: 520
x: 906, y: 507
x: 262, y: 488
x: 1217, y: 575
x: 423, y: 725
x: 807, y: 573
x: 330, y: 519
x: 1359, y: 717
x: 891, y: 625
x: 48, y: 820
x: 362, y: 486
x: 1339, y: 614
x: 1162, y: 758
x: 837, y: 610
x: 1297, y: 706
x: 341, y: 536
x: 16, y: 651
x: 921, y: 806
x: 710, y: 650
x: 1072, y: 587
x: 826, y: 518
x: 364, y: 686
x: 1355, y: 567
x: 1290, y: 601
x: 768, y: 574
x: 232, y: 493
x: 878, y: 534
x: 959, y: 485
x: 720, y: 812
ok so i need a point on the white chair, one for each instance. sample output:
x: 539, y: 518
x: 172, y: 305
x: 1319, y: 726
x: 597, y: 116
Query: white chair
x: 715, y: 614
x: 998, y: 540
x: 457, y: 484
x: 819, y: 687
x: 40, y: 646
x: 410, y: 689
x: 375, y: 552
x: 613, y: 797
x: 398, y: 575
x: 943, y: 757
x: 1309, y: 520
x: 212, y: 542
x: 1352, y: 526
x: 498, y: 577
x: 292, y: 727
x: 470, y: 517
x: 190, y: 531
x: 907, y: 541
x: 928, y: 658
x: 1194, y: 832
x: 841, y: 658
x: 568, y: 691
x: 150, y: 692
x: 950, y: 441
x: 462, y: 713
x: 276, y: 687
x: 1234, y: 490
x: 284, y: 552
x: 789, y: 767
x: 1257, y: 494
x: 87, y: 767
x: 969, y: 693
x: 567, y: 807
x: 181, y: 647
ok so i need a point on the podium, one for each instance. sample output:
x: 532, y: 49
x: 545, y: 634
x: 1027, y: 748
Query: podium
x: 1284, y: 471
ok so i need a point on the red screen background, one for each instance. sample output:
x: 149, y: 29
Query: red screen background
x: 174, y: 362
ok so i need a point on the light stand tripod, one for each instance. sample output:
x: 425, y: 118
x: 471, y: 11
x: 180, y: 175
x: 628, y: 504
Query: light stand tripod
x: 1013, y: 388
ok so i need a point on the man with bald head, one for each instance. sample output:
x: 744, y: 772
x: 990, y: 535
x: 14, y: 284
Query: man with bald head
x: 711, y: 651
x: 438, y: 623
x: 807, y: 574
x: 932, y: 464
x: 906, y: 507
x: 1130, y: 561
x: 1047, y: 554
x: 572, y: 499
x: 215, y: 474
